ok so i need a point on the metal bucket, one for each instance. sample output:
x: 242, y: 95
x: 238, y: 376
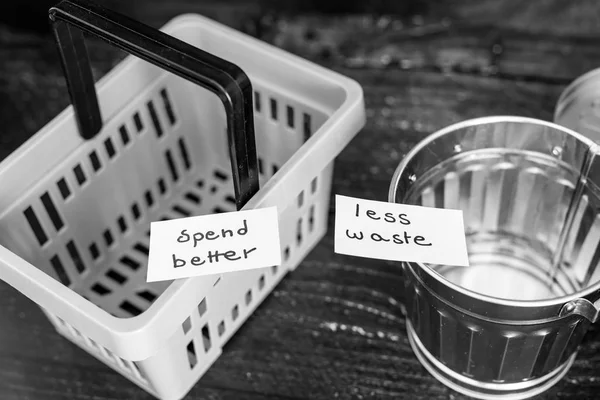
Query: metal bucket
x: 578, y: 107
x: 509, y: 325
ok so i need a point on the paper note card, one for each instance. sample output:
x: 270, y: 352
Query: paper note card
x: 213, y: 244
x: 399, y: 232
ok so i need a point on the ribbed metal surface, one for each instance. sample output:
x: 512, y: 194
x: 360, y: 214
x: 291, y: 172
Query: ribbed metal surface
x: 489, y: 351
x: 578, y: 107
x: 517, y: 204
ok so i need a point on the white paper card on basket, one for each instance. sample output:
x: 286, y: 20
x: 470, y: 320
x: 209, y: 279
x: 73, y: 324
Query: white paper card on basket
x: 213, y: 244
x: 399, y: 232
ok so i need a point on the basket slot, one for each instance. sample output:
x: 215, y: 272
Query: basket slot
x: 221, y: 328
x: 142, y: 249
x: 202, y: 308
x: 75, y: 256
x: 274, y: 111
x: 60, y: 271
x: 220, y: 175
x: 63, y: 188
x: 299, y: 232
x: 137, y: 121
x: 182, y: 211
x: 109, y: 239
x: 257, y: 101
x: 300, y: 199
x: 100, y: 289
x: 206, y: 341
x: 136, y: 213
x: 125, y: 139
x: 261, y: 169
x: 79, y: 173
x: 162, y: 186
x: 130, y: 263
x: 122, y: 224
x: 230, y: 199
x: 306, y: 126
x: 36, y: 226
x: 164, y: 110
x: 130, y: 308
x: 109, y: 146
x: 191, y: 353
x: 168, y: 106
x: 184, y: 153
x: 172, y: 167
x: 291, y: 123
x: 154, y: 118
x: 149, y: 198
x: 235, y: 312
x: 122, y: 138
x: 187, y: 325
x: 147, y: 295
x: 193, y: 198
x: 314, y: 185
x: 94, y: 251
x: 286, y: 253
x: 116, y: 276
x: 95, y: 161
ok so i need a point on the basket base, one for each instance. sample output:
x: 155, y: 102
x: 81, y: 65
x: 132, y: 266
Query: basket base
x: 483, y: 390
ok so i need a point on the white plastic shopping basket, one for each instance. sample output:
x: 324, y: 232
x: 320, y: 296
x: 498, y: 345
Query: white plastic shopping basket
x: 174, y: 130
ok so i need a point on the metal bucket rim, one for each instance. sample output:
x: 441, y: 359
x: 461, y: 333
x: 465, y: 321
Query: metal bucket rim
x: 595, y: 288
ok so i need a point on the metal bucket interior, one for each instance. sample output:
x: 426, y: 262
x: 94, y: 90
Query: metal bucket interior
x: 529, y: 198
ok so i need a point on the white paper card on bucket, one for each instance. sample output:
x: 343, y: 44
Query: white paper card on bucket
x: 213, y: 244
x: 399, y: 232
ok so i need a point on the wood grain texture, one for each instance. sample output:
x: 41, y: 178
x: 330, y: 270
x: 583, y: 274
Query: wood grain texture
x: 333, y: 329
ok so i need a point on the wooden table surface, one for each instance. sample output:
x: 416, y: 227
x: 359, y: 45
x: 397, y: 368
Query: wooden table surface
x: 333, y: 328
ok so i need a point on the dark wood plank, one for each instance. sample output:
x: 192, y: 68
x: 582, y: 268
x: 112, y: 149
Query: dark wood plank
x: 484, y: 38
x: 440, y: 45
x: 554, y: 17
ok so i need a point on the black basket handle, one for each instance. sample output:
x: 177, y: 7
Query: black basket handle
x: 223, y: 78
